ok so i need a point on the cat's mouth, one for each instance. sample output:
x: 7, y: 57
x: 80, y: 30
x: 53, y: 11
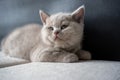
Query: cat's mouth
x: 57, y: 38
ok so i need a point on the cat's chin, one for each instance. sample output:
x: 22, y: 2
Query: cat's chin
x: 55, y: 40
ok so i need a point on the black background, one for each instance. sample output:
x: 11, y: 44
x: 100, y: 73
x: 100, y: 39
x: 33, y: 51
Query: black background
x: 102, y: 21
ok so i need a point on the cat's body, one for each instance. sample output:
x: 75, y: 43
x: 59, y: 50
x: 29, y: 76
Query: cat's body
x: 58, y: 40
x: 21, y: 41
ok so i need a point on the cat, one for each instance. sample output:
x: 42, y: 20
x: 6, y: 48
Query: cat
x: 58, y: 40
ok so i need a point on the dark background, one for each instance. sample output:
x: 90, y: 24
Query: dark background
x: 102, y: 21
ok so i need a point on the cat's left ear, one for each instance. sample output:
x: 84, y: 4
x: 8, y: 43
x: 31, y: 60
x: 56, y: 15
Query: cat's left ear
x: 78, y: 15
x: 43, y: 16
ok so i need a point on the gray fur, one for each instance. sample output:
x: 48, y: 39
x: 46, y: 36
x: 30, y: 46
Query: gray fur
x: 34, y: 43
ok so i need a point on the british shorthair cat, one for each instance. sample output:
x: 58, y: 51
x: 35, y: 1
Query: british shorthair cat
x: 58, y: 40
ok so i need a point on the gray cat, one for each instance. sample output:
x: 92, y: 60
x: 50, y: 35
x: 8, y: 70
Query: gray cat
x: 59, y: 40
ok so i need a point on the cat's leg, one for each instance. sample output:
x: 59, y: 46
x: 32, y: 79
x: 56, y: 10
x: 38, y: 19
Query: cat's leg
x: 59, y: 57
x: 70, y: 58
x: 84, y: 55
x: 54, y: 56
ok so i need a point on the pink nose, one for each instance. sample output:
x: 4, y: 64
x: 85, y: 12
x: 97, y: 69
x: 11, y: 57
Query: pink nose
x: 56, y: 32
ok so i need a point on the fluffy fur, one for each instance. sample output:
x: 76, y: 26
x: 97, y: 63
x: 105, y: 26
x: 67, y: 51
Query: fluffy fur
x: 59, y: 40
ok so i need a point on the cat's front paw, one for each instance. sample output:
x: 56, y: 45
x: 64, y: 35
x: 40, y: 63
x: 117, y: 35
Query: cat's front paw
x: 70, y: 58
x: 85, y: 55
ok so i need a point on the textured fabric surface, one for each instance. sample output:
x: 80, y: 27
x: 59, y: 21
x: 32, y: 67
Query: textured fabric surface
x: 6, y: 61
x: 84, y: 70
x: 91, y: 70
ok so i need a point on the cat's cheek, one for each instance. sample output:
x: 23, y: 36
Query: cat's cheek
x: 66, y: 35
x: 61, y: 36
x: 53, y: 35
x: 50, y: 38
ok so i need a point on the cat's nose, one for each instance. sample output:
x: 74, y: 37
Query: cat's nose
x: 56, y: 32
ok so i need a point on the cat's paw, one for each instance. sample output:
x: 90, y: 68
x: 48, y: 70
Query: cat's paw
x: 70, y: 58
x: 85, y: 55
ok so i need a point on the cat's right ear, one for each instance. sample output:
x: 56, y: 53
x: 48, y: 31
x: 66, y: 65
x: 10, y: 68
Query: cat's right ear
x: 43, y: 16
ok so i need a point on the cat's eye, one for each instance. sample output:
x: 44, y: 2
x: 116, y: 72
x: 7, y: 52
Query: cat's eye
x: 63, y: 26
x: 50, y: 28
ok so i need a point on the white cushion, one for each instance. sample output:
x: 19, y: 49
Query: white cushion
x: 91, y: 70
x: 6, y: 61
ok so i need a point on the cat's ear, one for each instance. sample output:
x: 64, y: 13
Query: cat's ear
x: 78, y: 15
x: 43, y: 16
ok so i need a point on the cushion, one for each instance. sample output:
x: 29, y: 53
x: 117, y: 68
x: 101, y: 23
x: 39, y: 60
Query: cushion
x: 88, y: 70
x: 6, y: 61
x: 83, y: 70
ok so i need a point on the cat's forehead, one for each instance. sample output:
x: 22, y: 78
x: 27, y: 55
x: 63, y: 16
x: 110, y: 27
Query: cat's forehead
x: 58, y: 18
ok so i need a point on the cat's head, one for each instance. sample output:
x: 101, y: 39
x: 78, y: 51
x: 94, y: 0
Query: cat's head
x: 63, y: 28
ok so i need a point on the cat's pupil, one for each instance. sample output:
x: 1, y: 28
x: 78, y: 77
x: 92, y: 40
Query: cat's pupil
x: 63, y: 26
x: 50, y: 28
